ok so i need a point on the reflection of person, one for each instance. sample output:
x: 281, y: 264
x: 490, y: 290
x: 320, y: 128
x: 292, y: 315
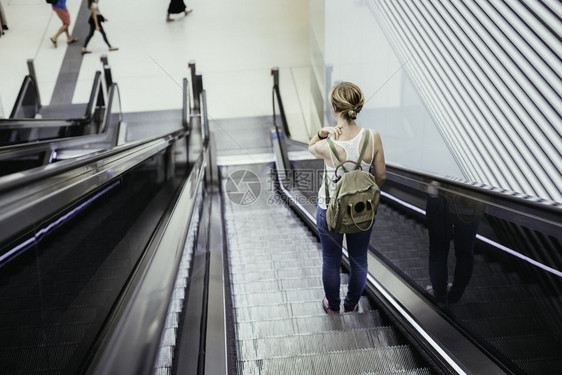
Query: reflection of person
x: 95, y: 22
x: 346, y: 100
x: 449, y: 220
x: 62, y: 12
x: 175, y: 7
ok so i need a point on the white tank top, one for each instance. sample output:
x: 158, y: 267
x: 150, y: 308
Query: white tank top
x: 352, y: 149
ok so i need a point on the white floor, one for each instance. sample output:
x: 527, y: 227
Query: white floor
x: 234, y: 44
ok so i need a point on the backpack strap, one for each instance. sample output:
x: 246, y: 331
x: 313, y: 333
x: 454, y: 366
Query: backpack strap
x: 335, y: 152
x: 327, y: 190
x: 365, y: 143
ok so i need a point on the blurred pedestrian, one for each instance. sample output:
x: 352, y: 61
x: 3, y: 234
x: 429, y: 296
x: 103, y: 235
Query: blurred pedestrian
x: 175, y: 7
x: 62, y: 12
x: 95, y: 21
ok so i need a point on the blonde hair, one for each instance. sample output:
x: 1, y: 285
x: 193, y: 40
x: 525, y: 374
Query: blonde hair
x: 348, y: 99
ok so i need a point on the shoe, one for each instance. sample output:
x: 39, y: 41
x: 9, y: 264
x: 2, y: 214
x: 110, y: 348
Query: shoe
x: 113, y: 48
x: 169, y: 19
x: 429, y: 290
x: 188, y: 10
x: 54, y: 42
x: 72, y: 40
x: 354, y: 309
x: 84, y: 51
x: 327, y: 308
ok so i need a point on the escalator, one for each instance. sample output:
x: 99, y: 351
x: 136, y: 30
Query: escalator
x: 511, y: 308
x: 220, y: 272
x: 75, y: 233
x: 31, y: 122
x: 275, y: 270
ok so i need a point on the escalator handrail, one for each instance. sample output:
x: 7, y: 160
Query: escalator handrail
x: 39, y: 195
x: 39, y: 174
x: 108, y: 140
x: 132, y: 345
x: 104, y: 140
x: 94, y: 97
x: 186, y: 108
x: 6, y: 123
x: 25, y: 86
x: 35, y: 122
x: 284, y: 123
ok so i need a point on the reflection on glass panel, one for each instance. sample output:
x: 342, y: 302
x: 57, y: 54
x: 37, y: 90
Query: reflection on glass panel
x: 360, y: 53
x: 56, y: 295
x: 497, y: 279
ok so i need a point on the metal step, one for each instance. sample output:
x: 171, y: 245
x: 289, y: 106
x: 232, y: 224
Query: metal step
x: 317, y: 343
x: 389, y: 360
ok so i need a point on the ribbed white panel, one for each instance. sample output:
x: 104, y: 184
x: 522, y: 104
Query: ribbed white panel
x: 490, y: 73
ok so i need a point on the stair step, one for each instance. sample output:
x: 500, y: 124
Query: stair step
x: 361, y: 361
x: 324, y: 342
x: 285, y: 311
x: 311, y: 324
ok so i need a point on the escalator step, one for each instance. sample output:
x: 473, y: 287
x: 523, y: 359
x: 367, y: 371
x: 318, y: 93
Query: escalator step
x: 276, y: 273
x: 311, y: 324
x: 377, y: 361
x: 325, y: 342
x: 240, y: 258
x: 277, y: 264
x: 284, y: 311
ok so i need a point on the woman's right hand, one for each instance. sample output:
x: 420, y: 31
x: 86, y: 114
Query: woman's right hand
x: 335, y: 131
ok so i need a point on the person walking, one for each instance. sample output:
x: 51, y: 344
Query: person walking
x: 95, y: 21
x: 346, y: 100
x: 62, y: 12
x: 175, y: 7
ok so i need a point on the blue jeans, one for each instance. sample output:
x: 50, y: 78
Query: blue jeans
x: 357, y: 247
x: 444, y: 225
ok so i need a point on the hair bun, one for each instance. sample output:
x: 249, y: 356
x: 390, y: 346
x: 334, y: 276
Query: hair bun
x: 352, y: 114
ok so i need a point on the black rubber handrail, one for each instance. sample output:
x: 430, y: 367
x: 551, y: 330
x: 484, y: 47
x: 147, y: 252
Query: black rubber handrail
x: 128, y: 349
x: 29, y: 84
x: 25, y: 94
x: 95, y: 99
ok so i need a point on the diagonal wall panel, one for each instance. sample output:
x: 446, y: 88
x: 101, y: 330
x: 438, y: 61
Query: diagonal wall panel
x: 490, y: 74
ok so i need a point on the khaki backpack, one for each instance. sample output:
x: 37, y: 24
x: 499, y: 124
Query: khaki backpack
x: 353, y: 207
